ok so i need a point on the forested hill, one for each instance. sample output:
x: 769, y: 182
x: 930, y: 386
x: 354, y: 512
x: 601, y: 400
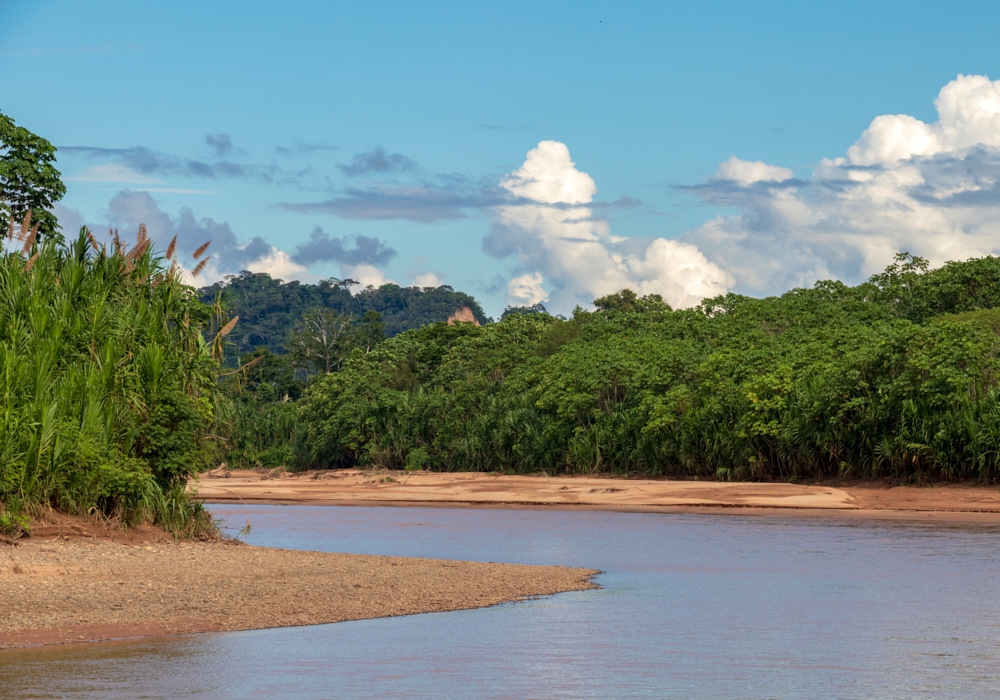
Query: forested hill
x: 269, y: 308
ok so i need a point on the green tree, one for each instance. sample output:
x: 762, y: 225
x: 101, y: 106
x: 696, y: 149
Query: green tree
x: 627, y: 301
x: 29, y: 180
x: 370, y: 332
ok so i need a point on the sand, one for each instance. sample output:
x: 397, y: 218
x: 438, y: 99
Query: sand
x: 58, y: 591
x: 351, y: 487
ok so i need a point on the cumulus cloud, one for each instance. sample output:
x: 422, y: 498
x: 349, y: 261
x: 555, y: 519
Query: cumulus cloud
x: 526, y: 290
x: 365, y: 276
x: 747, y: 173
x: 427, y: 279
x: 549, y: 225
x: 321, y: 248
x: 376, y: 160
x: 930, y: 189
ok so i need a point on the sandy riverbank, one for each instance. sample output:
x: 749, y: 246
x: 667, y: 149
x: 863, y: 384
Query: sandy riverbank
x: 59, y: 591
x: 349, y: 487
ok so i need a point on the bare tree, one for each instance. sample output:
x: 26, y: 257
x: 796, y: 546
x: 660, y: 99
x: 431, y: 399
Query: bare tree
x: 322, y: 340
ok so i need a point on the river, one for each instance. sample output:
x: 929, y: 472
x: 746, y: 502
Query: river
x: 691, y: 606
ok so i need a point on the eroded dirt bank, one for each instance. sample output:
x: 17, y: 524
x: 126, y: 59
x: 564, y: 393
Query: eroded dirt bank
x: 86, y: 590
x: 351, y: 487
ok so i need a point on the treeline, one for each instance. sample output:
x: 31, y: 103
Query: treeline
x: 270, y: 310
x: 894, y: 377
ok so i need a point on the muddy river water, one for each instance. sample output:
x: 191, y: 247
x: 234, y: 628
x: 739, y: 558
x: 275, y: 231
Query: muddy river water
x: 691, y: 606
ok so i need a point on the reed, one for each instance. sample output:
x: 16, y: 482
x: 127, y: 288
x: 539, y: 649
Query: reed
x: 107, y: 385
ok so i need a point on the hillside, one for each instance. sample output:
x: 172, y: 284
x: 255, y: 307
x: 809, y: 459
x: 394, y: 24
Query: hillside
x: 269, y: 308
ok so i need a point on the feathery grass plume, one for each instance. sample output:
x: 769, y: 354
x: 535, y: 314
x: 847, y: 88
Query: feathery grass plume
x: 141, y: 236
x: 31, y: 263
x: 10, y: 230
x: 200, y: 266
x: 170, y: 248
x: 113, y: 233
x: 201, y: 249
x: 226, y: 329
x: 29, y: 241
x: 26, y: 223
x: 93, y: 242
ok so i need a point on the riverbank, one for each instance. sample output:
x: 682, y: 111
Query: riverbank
x: 352, y: 487
x: 75, y: 590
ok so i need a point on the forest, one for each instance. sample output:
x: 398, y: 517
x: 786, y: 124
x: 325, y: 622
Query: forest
x: 118, y: 382
x: 895, y: 377
x: 269, y: 309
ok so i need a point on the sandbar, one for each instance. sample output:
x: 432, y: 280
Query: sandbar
x: 948, y: 502
x: 81, y: 590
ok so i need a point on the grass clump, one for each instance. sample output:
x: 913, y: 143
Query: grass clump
x: 107, y: 385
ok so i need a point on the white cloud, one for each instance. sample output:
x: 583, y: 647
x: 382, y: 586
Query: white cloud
x: 114, y: 172
x: 558, y: 241
x: 365, y: 276
x: 526, y: 290
x: 550, y: 176
x: 279, y: 265
x: 905, y: 185
x: 747, y: 172
x: 428, y: 279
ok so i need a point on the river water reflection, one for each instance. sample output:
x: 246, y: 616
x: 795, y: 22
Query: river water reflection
x: 692, y: 606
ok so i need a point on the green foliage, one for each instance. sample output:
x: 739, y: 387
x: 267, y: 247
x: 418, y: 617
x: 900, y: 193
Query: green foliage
x: 895, y: 377
x: 262, y: 428
x: 538, y: 308
x: 270, y: 309
x: 107, y: 387
x: 627, y: 301
x: 29, y: 181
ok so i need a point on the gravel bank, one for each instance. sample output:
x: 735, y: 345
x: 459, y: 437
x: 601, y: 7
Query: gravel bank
x: 70, y: 591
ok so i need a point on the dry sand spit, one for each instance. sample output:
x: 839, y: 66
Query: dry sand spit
x: 73, y: 591
x: 349, y: 487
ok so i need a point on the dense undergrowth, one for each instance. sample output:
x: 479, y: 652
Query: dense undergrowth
x: 895, y: 377
x: 107, y: 386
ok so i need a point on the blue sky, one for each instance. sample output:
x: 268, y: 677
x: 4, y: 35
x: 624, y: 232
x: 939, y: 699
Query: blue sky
x: 255, y: 123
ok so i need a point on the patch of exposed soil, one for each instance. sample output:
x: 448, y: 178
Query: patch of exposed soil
x: 56, y: 591
x: 456, y: 489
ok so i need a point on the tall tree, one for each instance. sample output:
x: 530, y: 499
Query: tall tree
x: 28, y: 179
x: 322, y: 340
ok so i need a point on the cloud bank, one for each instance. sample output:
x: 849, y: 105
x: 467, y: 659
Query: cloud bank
x: 930, y: 189
x: 561, y: 246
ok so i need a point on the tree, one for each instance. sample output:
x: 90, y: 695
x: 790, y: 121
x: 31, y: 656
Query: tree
x: 371, y: 331
x: 627, y: 301
x: 28, y: 179
x: 538, y: 308
x: 322, y: 340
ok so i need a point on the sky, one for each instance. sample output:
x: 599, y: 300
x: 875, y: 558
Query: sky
x: 523, y: 152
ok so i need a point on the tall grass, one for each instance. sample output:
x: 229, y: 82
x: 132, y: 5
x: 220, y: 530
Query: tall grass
x: 107, y: 386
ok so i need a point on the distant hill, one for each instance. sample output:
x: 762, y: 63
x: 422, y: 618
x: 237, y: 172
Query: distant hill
x: 269, y: 308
